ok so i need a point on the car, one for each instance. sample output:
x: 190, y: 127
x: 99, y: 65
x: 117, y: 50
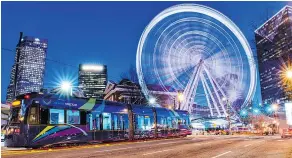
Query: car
x: 185, y: 130
x: 287, y: 133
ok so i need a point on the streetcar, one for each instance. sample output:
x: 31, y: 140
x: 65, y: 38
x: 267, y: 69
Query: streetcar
x: 40, y: 120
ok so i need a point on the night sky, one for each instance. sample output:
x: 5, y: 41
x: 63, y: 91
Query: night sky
x: 100, y: 32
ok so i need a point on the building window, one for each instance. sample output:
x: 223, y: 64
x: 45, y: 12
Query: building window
x: 56, y: 116
x: 73, y: 117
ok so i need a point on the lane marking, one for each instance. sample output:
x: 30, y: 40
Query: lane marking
x: 280, y: 140
x: 157, y: 152
x: 247, y: 145
x: 222, y: 154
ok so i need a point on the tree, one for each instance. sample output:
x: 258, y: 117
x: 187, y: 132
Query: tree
x: 131, y: 74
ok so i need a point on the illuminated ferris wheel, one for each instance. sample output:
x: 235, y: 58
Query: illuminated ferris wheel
x: 199, y: 51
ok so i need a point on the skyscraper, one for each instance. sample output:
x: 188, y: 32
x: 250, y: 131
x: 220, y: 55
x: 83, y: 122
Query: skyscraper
x: 274, y: 48
x: 28, y: 71
x: 92, y: 80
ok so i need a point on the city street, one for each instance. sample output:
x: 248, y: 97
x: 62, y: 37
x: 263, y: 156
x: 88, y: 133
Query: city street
x: 192, y: 146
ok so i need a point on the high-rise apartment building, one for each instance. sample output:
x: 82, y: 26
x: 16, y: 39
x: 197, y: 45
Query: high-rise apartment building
x: 274, y: 48
x: 28, y: 71
x: 92, y: 80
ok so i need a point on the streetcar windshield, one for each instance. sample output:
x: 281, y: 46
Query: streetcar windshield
x: 14, y: 118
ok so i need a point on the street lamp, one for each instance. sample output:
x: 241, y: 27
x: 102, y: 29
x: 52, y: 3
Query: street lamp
x: 256, y: 111
x: 243, y: 112
x: 66, y: 86
x: 224, y: 99
x: 275, y: 107
x: 286, y: 79
x: 152, y: 100
x: 269, y: 109
x: 289, y: 74
x: 180, y: 97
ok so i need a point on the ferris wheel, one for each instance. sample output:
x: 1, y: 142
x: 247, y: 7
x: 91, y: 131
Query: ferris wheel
x: 199, y: 51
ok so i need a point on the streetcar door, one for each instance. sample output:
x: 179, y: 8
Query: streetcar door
x: 91, y: 125
x: 32, y: 121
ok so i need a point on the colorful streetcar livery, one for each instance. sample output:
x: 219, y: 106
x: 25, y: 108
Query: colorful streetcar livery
x: 43, y: 120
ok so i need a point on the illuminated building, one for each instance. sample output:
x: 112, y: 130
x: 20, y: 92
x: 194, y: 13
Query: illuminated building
x: 92, y: 80
x: 274, y: 47
x: 125, y: 91
x: 28, y: 75
x: 129, y: 92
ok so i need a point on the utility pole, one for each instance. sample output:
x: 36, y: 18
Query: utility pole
x: 228, y: 117
x: 173, y: 103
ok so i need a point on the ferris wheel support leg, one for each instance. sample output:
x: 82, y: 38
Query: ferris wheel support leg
x: 215, y: 89
x: 221, y: 91
x: 212, y: 97
x: 207, y: 97
x: 191, y: 87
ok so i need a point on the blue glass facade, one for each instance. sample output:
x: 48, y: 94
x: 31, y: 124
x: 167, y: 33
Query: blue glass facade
x: 31, y: 55
x: 274, y: 48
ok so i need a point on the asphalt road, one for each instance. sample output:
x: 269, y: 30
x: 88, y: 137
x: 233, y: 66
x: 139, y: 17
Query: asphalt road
x: 192, y: 146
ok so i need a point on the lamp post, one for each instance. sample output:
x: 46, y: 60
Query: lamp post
x: 228, y: 113
x: 174, y: 103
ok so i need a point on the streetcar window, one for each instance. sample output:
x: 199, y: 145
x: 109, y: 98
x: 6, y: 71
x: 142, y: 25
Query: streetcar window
x: 184, y: 122
x: 124, y: 122
x: 106, y: 121
x: 140, y: 122
x: 147, y: 123
x: 120, y: 123
x: 56, y: 116
x: 90, y: 120
x: 32, y: 117
x: 175, y: 123
x: 83, y: 117
x: 97, y: 122
x: 163, y: 121
x: 169, y: 122
x: 73, y: 117
x: 115, y: 122
x: 15, y: 114
x: 44, y: 116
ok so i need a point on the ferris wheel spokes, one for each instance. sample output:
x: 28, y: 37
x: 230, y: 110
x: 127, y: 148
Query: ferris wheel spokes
x: 216, y: 91
x: 212, y: 97
x: 207, y: 92
x: 221, y: 91
x: 191, y: 87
